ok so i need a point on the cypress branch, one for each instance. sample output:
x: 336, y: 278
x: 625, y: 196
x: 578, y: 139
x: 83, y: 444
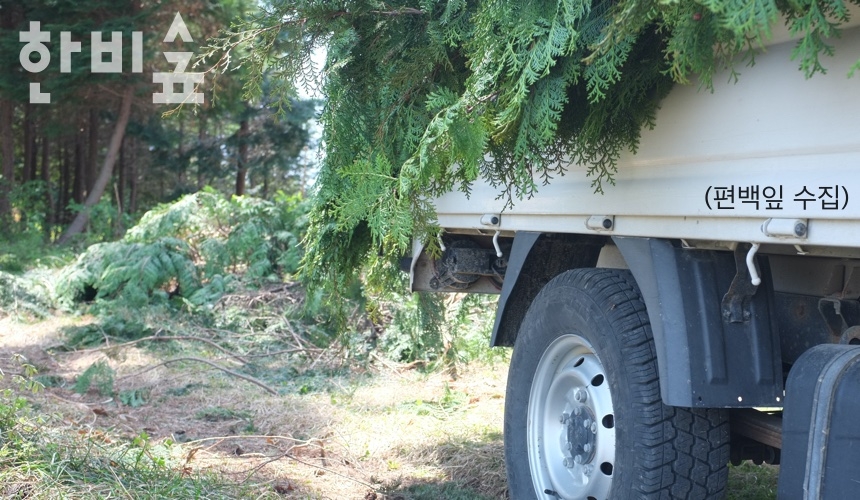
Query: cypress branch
x: 425, y: 96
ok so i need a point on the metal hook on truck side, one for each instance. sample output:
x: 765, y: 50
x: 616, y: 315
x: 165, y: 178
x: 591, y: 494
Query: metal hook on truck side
x: 754, y: 277
x: 496, y: 244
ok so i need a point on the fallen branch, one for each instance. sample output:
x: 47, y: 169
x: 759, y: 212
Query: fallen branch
x: 394, y: 369
x: 336, y: 473
x: 207, y: 362
x: 285, y: 351
x: 225, y: 438
x: 299, y: 341
x: 315, y: 466
x: 175, y: 337
x: 323, y: 352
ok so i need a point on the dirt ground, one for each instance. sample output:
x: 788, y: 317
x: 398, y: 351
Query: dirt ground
x: 333, y: 430
x: 368, y: 433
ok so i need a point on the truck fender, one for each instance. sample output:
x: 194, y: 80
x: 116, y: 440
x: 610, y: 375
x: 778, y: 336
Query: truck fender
x: 705, y: 356
x: 534, y: 260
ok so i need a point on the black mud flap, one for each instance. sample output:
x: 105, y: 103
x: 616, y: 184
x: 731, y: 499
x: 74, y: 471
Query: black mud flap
x: 821, y: 425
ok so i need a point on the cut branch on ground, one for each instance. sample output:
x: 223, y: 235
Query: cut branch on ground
x: 228, y: 371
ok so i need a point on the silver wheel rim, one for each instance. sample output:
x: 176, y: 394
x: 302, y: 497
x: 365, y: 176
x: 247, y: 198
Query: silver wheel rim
x: 571, y: 423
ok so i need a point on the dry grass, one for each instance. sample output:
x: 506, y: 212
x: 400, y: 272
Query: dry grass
x: 384, y: 432
x: 330, y: 433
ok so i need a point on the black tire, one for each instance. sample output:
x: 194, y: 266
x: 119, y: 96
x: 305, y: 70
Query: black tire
x: 585, y: 367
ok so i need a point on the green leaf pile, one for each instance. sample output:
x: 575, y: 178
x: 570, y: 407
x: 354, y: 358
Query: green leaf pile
x: 190, y: 250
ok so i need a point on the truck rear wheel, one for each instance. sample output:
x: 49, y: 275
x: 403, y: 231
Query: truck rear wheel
x: 583, y: 414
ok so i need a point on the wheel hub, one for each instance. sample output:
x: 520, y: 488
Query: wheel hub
x: 581, y: 434
x: 571, y: 434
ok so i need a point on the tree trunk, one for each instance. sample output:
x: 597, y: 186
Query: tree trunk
x: 304, y: 180
x: 119, y: 189
x: 46, y: 178
x: 65, y: 184
x: 92, y: 150
x: 132, y: 178
x: 7, y: 144
x: 9, y: 16
x: 182, y: 178
x: 106, y: 171
x: 29, y: 172
x: 79, y: 188
x: 242, y: 171
x: 201, y: 140
x: 122, y: 172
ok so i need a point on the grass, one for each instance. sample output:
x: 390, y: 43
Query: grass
x: 401, y: 435
x: 66, y: 463
x: 43, y: 457
x: 752, y: 482
x: 394, y: 433
x: 27, y: 250
x: 435, y: 491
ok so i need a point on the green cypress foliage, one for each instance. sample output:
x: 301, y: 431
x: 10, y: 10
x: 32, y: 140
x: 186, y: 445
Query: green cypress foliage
x: 192, y: 250
x: 425, y: 96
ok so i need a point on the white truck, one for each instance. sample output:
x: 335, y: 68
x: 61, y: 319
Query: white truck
x: 654, y: 326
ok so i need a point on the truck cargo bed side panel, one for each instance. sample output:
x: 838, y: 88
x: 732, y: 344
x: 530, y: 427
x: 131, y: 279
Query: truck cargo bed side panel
x: 775, y: 149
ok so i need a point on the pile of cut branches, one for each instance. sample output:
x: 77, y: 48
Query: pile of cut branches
x: 191, y: 251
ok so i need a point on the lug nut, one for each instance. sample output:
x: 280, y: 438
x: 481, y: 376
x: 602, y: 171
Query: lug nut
x: 563, y: 418
x: 587, y: 423
x: 578, y: 459
x: 586, y: 447
x: 569, y: 446
x: 580, y: 395
x: 577, y: 411
x: 588, y: 469
x: 568, y: 463
x: 594, y: 427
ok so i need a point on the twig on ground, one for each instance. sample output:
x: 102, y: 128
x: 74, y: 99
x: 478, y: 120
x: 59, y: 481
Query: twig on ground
x: 336, y: 473
x: 394, y: 369
x: 247, y: 378
x: 349, y: 458
x: 79, y: 403
x: 225, y: 438
x: 299, y: 341
x: 285, y: 351
x: 119, y: 482
x: 174, y: 337
x: 309, y: 464
x: 319, y: 442
x: 312, y: 365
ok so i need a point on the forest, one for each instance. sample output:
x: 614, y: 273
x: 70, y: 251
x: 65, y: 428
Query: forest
x: 54, y: 154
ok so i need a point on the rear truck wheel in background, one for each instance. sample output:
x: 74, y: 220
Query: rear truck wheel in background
x: 583, y: 414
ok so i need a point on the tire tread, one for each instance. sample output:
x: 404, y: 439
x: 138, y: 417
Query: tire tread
x: 683, y: 452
